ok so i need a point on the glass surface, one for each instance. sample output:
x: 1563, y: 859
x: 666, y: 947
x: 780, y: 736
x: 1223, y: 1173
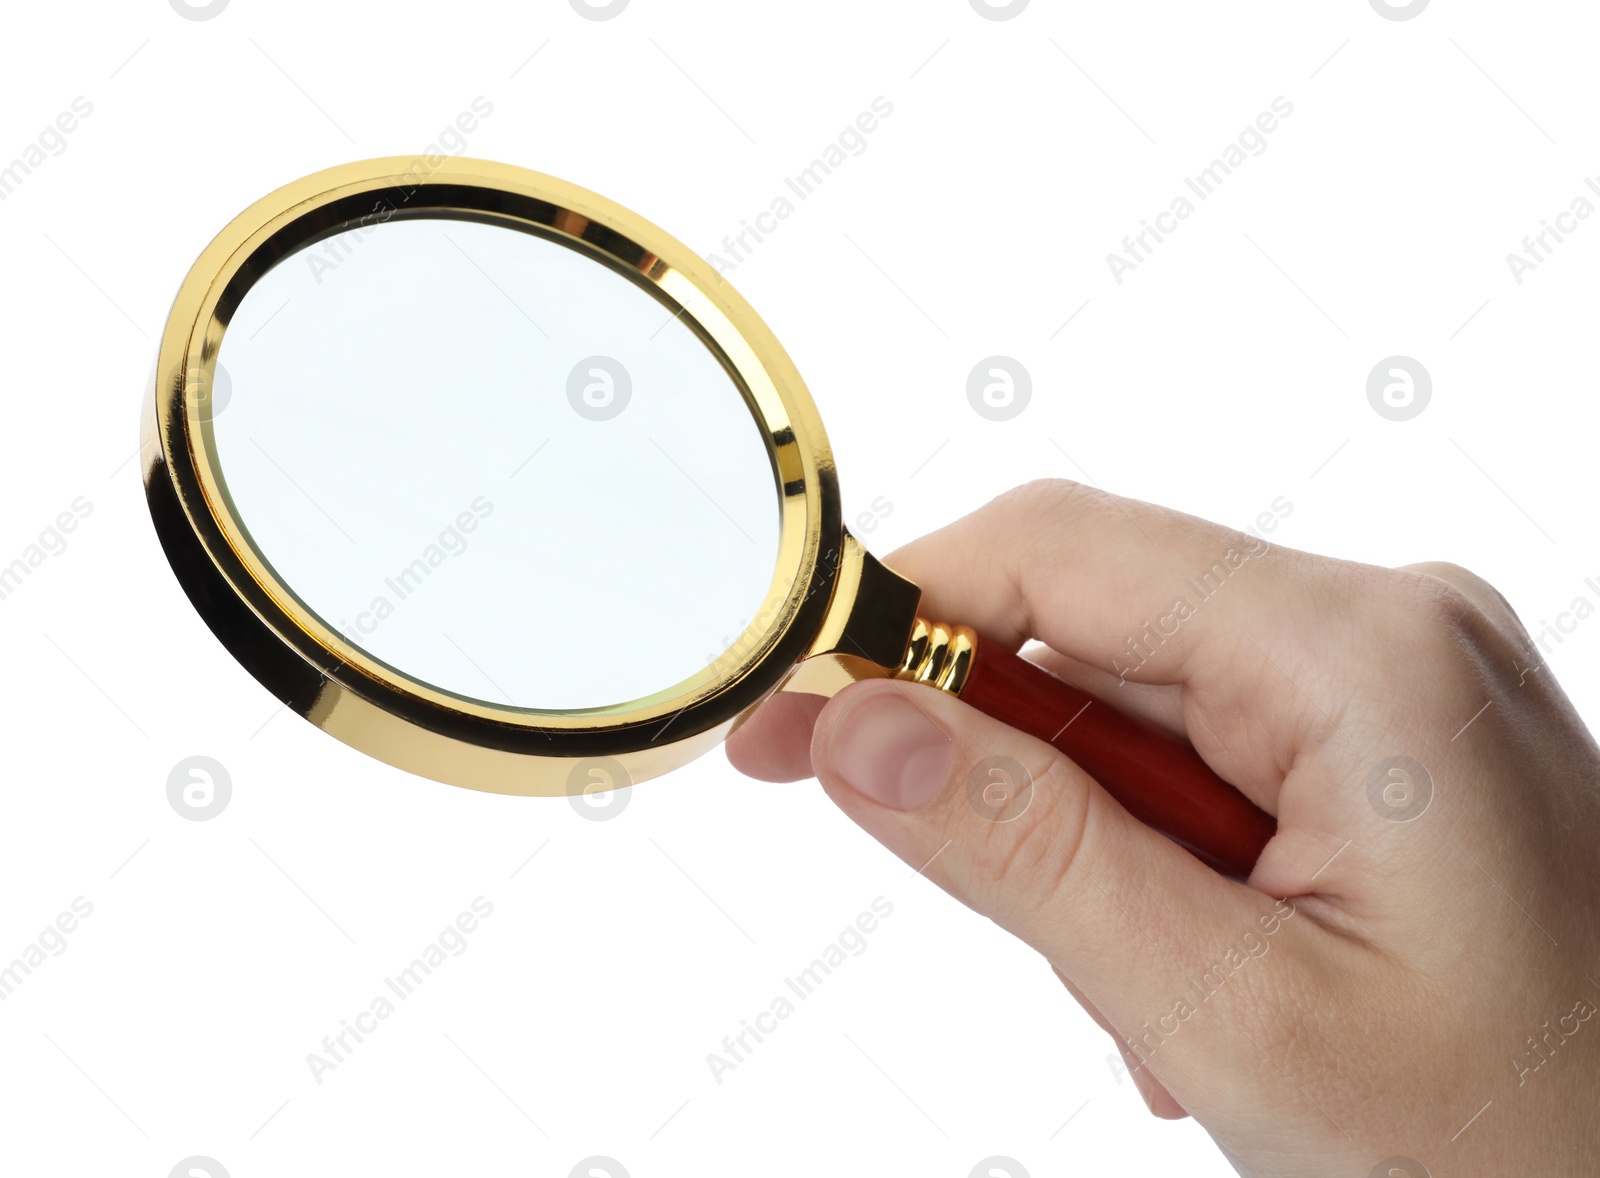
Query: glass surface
x: 495, y: 464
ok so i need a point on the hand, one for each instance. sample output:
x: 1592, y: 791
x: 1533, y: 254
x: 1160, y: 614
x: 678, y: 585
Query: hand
x: 1409, y: 973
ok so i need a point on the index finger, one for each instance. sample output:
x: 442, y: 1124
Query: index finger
x: 1151, y: 595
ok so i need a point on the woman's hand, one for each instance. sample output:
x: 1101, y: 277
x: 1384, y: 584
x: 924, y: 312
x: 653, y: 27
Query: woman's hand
x: 1411, y: 972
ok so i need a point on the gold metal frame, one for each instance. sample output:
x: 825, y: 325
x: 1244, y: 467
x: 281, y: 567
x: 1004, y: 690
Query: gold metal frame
x: 832, y: 613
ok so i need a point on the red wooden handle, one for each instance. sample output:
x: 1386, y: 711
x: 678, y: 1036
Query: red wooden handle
x: 1159, y: 780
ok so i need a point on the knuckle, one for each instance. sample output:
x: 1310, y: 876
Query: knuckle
x: 1436, y: 601
x: 1433, y: 618
x: 1458, y: 627
x: 1492, y: 603
x: 1036, y: 508
x: 1041, y: 520
x: 1436, y: 647
x: 1446, y: 571
x: 1039, y: 497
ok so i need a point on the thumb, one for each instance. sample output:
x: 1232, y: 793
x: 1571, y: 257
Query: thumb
x: 1016, y: 831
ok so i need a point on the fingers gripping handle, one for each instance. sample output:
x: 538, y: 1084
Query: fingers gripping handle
x: 1159, y: 780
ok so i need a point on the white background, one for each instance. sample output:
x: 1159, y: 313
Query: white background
x: 1227, y: 370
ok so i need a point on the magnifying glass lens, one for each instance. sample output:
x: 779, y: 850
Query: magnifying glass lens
x: 494, y: 464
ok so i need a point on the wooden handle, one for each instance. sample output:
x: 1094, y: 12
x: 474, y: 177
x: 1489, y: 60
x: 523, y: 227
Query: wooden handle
x: 1159, y: 780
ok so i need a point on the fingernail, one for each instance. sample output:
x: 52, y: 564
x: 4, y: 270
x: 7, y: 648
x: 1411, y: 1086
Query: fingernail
x: 889, y: 749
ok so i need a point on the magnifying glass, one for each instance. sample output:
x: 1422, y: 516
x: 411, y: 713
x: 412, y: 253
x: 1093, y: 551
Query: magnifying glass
x: 497, y: 482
